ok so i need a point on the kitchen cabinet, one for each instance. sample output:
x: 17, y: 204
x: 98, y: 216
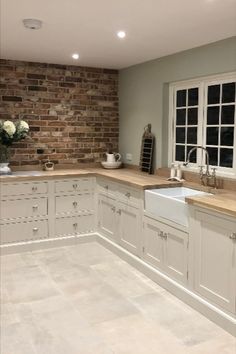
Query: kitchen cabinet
x: 107, y: 218
x: 119, y: 214
x: 166, y: 248
x: 215, y: 258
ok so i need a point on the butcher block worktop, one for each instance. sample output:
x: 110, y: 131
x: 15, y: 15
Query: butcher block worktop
x: 222, y: 200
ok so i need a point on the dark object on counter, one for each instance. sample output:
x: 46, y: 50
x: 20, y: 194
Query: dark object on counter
x: 147, y: 149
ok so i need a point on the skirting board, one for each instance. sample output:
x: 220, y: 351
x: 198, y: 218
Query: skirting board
x: 222, y: 319
x: 46, y: 243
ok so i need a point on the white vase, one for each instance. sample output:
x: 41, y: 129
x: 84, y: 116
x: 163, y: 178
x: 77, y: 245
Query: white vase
x: 4, y: 168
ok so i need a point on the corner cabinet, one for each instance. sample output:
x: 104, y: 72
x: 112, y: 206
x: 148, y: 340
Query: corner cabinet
x: 214, y: 250
x: 119, y: 214
x: 166, y: 248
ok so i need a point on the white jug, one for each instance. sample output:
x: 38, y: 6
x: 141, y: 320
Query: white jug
x: 113, y: 157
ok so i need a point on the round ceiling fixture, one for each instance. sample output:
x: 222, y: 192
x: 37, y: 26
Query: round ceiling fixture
x: 121, y: 34
x: 32, y: 23
x: 75, y: 56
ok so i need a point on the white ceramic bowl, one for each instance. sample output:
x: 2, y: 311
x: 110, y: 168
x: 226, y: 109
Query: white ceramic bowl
x: 111, y: 165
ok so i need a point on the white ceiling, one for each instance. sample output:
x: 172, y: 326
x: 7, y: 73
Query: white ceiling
x: 154, y: 28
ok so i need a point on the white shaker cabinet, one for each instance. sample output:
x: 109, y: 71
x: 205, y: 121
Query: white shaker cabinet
x: 214, y: 250
x: 107, y: 219
x: 166, y: 248
x: 119, y: 214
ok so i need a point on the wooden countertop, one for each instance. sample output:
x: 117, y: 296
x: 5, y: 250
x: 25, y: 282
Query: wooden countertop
x: 222, y: 201
x: 130, y: 177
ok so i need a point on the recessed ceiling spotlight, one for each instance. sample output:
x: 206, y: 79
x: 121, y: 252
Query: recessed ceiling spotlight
x: 75, y: 56
x: 32, y: 23
x: 121, y: 34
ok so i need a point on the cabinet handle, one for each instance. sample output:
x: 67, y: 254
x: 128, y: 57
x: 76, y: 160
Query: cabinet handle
x: 75, y: 186
x: 34, y: 189
x: 128, y: 194
x: 35, y: 207
x: 35, y: 229
x: 165, y: 235
x: 233, y: 236
x: 75, y: 204
x: 119, y: 211
x: 113, y: 209
x: 75, y: 225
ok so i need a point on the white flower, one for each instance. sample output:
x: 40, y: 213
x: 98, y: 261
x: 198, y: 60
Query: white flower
x: 9, y: 127
x: 23, y: 125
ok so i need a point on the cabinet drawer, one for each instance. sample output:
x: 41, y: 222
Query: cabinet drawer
x: 74, y: 203
x: 107, y: 186
x: 81, y: 184
x: 23, y: 208
x: 74, y: 225
x: 24, y: 231
x: 129, y: 195
x: 15, y: 189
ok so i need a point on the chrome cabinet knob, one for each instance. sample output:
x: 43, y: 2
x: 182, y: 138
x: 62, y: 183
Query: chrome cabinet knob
x: 233, y: 236
x: 35, y: 207
x: 35, y: 229
x: 75, y: 186
x: 34, y: 188
x: 75, y: 225
x: 75, y: 204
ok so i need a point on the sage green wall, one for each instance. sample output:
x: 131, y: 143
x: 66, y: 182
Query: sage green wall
x: 143, y: 92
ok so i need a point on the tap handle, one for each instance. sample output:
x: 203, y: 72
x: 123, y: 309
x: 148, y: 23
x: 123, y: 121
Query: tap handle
x: 213, y: 171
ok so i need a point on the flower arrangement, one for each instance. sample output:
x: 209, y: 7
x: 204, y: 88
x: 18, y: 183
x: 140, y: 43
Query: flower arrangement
x: 9, y: 133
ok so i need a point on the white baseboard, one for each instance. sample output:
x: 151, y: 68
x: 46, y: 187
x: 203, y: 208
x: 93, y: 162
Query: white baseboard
x: 222, y: 319
x: 30, y: 246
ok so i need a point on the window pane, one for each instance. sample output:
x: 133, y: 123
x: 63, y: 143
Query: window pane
x: 181, y: 117
x: 192, y: 116
x: 227, y: 136
x: 193, y: 156
x: 180, y: 135
x: 181, y: 98
x: 193, y: 97
x: 227, y: 114
x: 180, y: 153
x: 192, y: 135
x: 213, y: 94
x: 228, y: 92
x: 226, y: 157
x: 212, y: 136
x: 213, y: 156
x: 213, y: 115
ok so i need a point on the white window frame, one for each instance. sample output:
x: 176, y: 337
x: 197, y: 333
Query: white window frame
x: 202, y: 84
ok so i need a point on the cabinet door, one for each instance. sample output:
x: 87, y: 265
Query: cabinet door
x: 107, y: 216
x: 215, y: 268
x: 129, y: 227
x: 175, y: 253
x: 152, y: 242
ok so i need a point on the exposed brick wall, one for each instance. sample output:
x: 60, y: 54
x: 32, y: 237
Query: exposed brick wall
x: 72, y: 111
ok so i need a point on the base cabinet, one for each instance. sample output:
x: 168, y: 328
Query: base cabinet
x: 107, y: 218
x: 215, y: 259
x: 119, y: 215
x: 166, y: 248
x: 129, y: 227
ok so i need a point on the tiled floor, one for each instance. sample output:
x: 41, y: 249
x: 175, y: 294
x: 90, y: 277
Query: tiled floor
x: 85, y: 300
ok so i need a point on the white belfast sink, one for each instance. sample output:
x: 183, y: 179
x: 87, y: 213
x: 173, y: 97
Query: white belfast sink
x: 169, y: 203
